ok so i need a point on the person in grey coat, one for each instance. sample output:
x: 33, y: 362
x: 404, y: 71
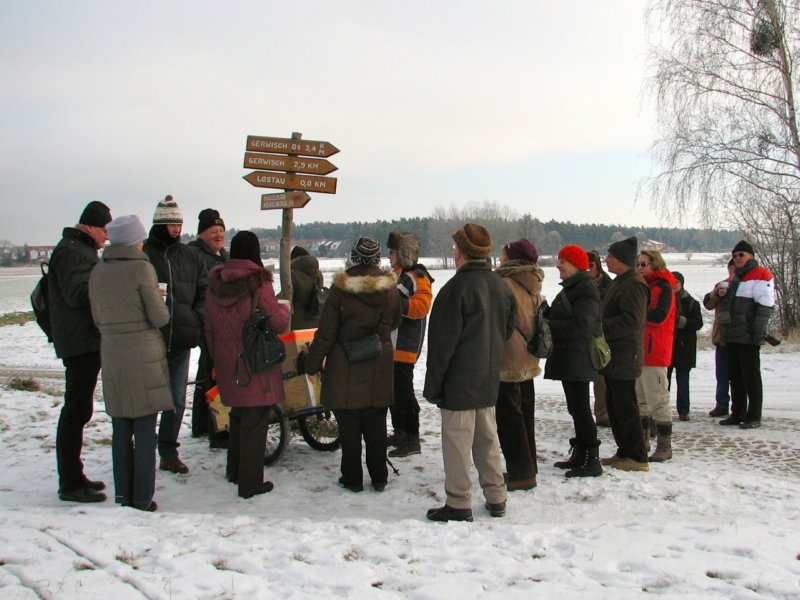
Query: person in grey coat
x: 128, y: 309
x: 471, y: 318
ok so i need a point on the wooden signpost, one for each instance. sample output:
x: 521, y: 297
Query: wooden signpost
x: 296, y: 166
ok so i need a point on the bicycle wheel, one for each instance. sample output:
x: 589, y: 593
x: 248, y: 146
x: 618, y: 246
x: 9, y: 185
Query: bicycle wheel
x: 277, y: 435
x: 320, y: 431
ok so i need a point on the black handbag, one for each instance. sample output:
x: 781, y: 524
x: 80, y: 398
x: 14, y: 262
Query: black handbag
x: 262, y: 348
x: 363, y: 349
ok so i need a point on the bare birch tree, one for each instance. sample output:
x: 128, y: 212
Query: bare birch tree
x: 723, y: 78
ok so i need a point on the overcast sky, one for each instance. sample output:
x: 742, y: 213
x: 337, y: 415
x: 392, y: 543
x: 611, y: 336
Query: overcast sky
x: 535, y: 105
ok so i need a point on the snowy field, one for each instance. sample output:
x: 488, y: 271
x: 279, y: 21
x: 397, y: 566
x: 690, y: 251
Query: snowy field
x: 720, y: 520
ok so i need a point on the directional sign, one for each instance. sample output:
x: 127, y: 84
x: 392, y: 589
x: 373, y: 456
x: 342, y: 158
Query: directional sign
x: 296, y: 164
x: 310, y: 183
x: 285, y: 200
x: 257, y: 143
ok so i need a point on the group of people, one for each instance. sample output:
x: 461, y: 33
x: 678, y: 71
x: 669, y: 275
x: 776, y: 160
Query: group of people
x: 140, y: 309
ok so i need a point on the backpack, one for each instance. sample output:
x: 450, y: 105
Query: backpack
x: 541, y: 343
x: 318, y: 296
x: 40, y: 302
x: 261, y: 347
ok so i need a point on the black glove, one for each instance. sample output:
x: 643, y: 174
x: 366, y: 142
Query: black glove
x: 301, y: 362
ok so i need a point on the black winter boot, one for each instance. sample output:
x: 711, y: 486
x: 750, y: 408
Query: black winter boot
x: 589, y: 465
x: 573, y: 460
x: 409, y: 445
x: 396, y: 438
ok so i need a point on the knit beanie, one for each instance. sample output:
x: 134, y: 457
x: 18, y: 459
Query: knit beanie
x: 366, y: 251
x: 679, y: 276
x: 208, y: 217
x: 96, y: 214
x: 297, y: 252
x: 473, y: 240
x: 167, y: 213
x: 743, y: 246
x: 245, y: 245
x: 575, y: 255
x: 625, y: 251
x: 521, y: 249
x: 406, y: 245
x: 126, y: 231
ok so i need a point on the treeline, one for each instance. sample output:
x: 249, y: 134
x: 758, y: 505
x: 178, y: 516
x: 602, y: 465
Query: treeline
x: 549, y: 237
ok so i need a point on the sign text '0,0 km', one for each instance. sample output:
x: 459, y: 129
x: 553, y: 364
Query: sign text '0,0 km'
x: 310, y: 183
x: 257, y: 143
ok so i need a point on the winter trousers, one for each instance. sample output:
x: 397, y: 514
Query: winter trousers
x: 405, y: 411
x: 170, y: 425
x: 652, y: 394
x: 744, y: 367
x: 600, y: 410
x: 369, y: 424
x: 722, y: 396
x: 247, y: 446
x: 471, y: 434
x: 81, y: 379
x: 626, y: 424
x: 202, y: 383
x: 133, y: 452
x: 577, y: 395
x: 514, y: 412
x: 682, y: 381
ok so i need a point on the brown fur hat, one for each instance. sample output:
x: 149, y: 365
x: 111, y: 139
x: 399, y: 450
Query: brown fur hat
x: 407, y: 247
x: 473, y: 240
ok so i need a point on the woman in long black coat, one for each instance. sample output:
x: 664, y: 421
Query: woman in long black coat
x: 574, y: 318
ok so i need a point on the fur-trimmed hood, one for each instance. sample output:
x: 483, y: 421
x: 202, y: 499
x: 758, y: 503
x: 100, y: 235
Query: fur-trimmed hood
x: 364, y: 280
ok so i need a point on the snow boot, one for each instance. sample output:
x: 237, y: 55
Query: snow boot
x: 663, y: 443
x: 573, y: 460
x: 589, y: 465
x: 409, y: 445
x: 397, y: 437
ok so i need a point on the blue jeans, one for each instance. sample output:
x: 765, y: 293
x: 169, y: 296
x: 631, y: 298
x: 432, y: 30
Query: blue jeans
x: 723, y: 396
x: 170, y: 426
x: 682, y: 379
x: 133, y: 452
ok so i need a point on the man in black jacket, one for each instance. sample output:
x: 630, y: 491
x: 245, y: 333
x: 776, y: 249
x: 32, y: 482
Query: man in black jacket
x: 470, y: 320
x: 186, y: 277
x: 77, y: 344
x: 210, y: 247
x: 624, y: 309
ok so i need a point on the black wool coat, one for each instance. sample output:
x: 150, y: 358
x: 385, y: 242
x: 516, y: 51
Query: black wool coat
x: 573, y: 323
x: 624, y: 309
x: 688, y: 322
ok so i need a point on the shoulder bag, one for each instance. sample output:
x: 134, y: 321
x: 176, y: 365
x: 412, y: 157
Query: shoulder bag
x: 262, y: 348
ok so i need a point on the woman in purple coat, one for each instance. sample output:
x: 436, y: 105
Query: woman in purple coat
x: 233, y: 288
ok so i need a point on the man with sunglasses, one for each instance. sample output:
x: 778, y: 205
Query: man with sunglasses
x: 744, y: 313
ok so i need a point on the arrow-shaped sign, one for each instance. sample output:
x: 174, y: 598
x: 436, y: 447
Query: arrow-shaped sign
x: 296, y: 164
x: 257, y: 143
x: 284, y: 200
x: 310, y: 183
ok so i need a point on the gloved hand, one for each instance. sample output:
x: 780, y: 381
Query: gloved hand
x: 301, y: 362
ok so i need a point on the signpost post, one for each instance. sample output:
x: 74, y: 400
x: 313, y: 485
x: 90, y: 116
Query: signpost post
x: 296, y: 166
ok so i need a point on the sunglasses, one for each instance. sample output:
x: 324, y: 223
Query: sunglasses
x: 642, y: 264
x: 739, y: 254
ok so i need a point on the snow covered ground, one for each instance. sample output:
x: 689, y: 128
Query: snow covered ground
x: 720, y: 520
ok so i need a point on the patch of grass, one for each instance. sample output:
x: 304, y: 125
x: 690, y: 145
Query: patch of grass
x: 351, y: 555
x: 83, y: 566
x: 713, y: 575
x: 127, y: 558
x: 24, y: 384
x: 16, y: 318
x: 221, y: 564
